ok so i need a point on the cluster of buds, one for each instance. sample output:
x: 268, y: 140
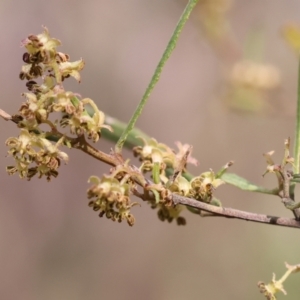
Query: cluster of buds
x: 157, y: 153
x: 200, y: 187
x: 158, y: 157
x: 46, y: 96
x: 110, y: 197
x: 24, y: 150
x: 42, y: 57
x: 153, y: 152
x: 169, y: 213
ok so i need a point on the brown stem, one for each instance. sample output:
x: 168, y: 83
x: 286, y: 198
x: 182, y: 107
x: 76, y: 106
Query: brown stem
x: 81, y: 144
x: 113, y: 159
x: 234, y: 213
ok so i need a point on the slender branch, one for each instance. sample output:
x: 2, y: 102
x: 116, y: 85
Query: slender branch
x: 77, y: 143
x: 170, y: 47
x: 234, y: 213
x: 114, y: 159
x: 216, y: 210
x: 133, y: 139
x: 297, y: 133
x: 297, y: 139
x: 81, y: 144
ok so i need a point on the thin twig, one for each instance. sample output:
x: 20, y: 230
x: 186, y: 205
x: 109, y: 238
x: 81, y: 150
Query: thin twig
x: 221, y: 211
x: 113, y: 159
x: 234, y: 213
x: 169, y: 49
x: 297, y: 133
x: 80, y: 143
x: 77, y: 143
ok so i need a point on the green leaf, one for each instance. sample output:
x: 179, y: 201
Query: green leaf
x: 193, y: 210
x: 246, y: 185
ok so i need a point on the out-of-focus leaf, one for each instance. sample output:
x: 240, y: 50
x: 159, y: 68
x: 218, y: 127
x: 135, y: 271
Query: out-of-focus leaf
x: 291, y: 34
x: 246, y: 185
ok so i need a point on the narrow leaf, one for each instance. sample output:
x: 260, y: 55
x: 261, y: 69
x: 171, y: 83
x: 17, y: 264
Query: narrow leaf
x: 246, y: 185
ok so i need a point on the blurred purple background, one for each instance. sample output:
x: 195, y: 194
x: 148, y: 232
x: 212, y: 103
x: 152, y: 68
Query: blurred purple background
x: 53, y: 246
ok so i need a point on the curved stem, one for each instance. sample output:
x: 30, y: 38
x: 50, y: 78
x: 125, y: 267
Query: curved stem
x: 170, y: 47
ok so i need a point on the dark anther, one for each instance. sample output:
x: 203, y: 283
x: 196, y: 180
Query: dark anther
x: 30, y: 85
x: 33, y: 38
x: 22, y: 75
x: 26, y: 57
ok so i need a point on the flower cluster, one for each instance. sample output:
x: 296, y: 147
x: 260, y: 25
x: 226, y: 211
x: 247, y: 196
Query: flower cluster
x: 24, y: 150
x: 42, y: 57
x: 110, y: 197
x: 42, y: 60
x: 169, y: 213
x: 153, y: 152
x: 275, y: 286
x: 37, y: 152
x: 158, y: 157
x: 200, y: 187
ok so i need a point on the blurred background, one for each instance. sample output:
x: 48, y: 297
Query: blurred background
x: 229, y: 89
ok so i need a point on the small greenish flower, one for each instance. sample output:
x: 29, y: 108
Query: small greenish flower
x: 93, y: 125
x: 41, y: 43
x: 64, y: 103
x: 23, y: 145
x: 78, y: 118
x: 154, y: 152
x: 30, y: 149
x: 271, y: 289
x: 169, y: 213
x: 33, y: 110
x: 67, y: 69
x: 204, y: 185
x: 111, y: 198
x: 180, y: 186
x: 42, y: 56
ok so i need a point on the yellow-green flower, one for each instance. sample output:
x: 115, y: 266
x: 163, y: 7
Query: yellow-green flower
x: 111, y: 198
